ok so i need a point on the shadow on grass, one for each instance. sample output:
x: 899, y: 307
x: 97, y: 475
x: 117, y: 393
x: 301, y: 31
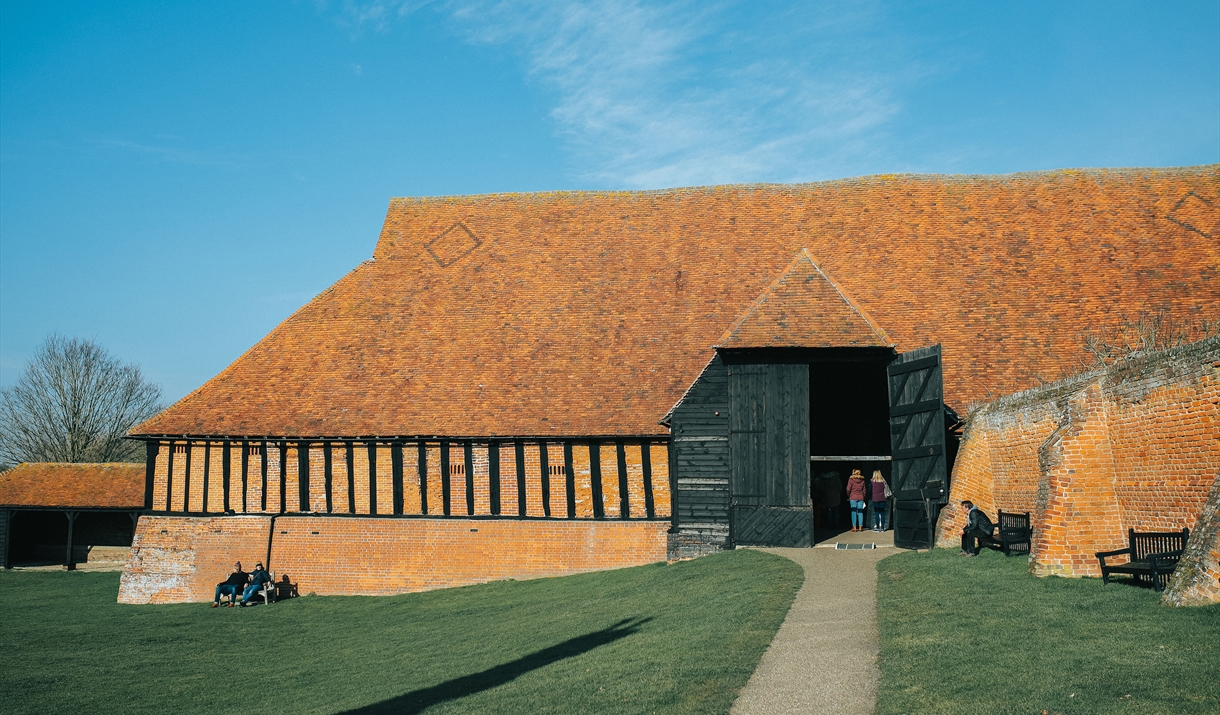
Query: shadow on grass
x: 419, y: 700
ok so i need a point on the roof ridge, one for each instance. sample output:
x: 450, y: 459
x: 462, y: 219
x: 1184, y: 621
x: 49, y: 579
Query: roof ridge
x: 877, y: 329
x: 841, y: 181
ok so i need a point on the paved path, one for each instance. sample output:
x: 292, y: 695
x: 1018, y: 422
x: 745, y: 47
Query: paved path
x: 824, y: 657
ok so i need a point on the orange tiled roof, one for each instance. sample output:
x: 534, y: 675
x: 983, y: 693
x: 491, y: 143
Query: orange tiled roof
x: 59, y: 484
x: 590, y: 313
x: 804, y: 309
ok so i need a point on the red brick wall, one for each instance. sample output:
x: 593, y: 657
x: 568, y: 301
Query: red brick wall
x: 1196, y: 581
x: 1134, y: 446
x: 175, y: 559
x: 178, y: 558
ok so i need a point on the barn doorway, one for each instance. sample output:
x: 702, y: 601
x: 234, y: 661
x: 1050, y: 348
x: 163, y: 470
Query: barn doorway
x: 843, y: 409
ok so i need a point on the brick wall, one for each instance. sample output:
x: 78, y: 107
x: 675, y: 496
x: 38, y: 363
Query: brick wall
x: 178, y: 558
x: 1196, y: 581
x: 1134, y: 446
x: 175, y: 559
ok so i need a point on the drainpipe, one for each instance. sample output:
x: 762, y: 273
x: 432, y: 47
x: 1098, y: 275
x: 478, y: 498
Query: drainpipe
x: 270, y: 538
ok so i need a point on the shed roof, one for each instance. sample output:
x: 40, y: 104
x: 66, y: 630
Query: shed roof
x: 60, y: 484
x: 589, y: 313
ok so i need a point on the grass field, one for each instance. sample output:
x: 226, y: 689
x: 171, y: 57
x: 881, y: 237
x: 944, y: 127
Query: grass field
x: 981, y: 635
x: 682, y: 638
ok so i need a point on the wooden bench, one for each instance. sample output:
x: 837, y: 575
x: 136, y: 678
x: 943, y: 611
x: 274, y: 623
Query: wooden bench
x: 1013, y: 534
x: 1152, y: 555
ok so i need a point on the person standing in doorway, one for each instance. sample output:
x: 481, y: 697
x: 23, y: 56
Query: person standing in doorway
x: 857, y: 492
x: 880, y: 497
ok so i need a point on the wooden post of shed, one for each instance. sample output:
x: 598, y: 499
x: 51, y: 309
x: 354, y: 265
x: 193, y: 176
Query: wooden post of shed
x: 69, y: 562
x: 6, y: 517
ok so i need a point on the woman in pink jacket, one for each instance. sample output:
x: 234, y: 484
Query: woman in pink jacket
x: 857, y: 493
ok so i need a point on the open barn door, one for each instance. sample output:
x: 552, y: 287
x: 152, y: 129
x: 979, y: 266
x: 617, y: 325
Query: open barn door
x: 917, y: 440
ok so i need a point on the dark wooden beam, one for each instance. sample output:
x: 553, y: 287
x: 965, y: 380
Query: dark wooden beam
x: 226, y: 463
x: 372, y: 445
x: 350, y: 453
x: 328, y: 474
x: 446, y: 486
x: 303, y: 477
x: 396, y: 467
x: 207, y: 468
x: 545, y: 470
x: 646, y: 466
x: 519, y: 449
x: 595, y: 480
x: 423, y: 478
x: 69, y: 561
x: 493, y: 476
x: 624, y: 501
x: 569, y: 479
x: 468, y: 458
x: 150, y: 471
x: 283, y: 446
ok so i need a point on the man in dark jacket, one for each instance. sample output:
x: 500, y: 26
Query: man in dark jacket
x: 258, y: 577
x: 977, y: 525
x: 231, y: 586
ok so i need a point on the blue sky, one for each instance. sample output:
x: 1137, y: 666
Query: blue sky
x: 177, y: 178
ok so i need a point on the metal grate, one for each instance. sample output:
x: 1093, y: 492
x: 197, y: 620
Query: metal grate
x: 853, y: 547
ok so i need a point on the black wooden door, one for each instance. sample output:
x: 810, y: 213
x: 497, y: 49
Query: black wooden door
x: 919, y: 478
x: 769, y: 455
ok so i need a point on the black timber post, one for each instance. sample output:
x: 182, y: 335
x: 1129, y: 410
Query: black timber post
x: 569, y: 476
x: 328, y: 474
x: 544, y: 469
x: 396, y: 475
x: 595, y: 480
x: 226, y: 463
x: 186, y: 482
x: 423, y: 478
x: 646, y: 467
x: 372, y: 445
x: 150, y: 472
x: 303, y: 476
x: 350, y: 453
x: 519, y: 453
x: 207, y: 468
x: 624, y: 502
x: 245, y: 474
x: 69, y: 561
x: 493, y: 476
x: 468, y: 457
x: 169, y: 476
x: 446, y: 486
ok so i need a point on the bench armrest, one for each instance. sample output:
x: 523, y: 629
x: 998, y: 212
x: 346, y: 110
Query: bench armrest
x: 1165, y: 556
x: 1120, y: 552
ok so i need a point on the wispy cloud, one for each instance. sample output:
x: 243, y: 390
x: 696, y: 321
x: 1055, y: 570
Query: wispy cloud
x: 680, y: 93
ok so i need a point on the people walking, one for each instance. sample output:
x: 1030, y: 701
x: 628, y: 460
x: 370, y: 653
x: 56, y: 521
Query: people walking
x: 857, y: 492
x: 880, y: 497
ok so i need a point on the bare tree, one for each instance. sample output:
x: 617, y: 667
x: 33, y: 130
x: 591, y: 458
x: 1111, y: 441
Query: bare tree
x: 74, y: 403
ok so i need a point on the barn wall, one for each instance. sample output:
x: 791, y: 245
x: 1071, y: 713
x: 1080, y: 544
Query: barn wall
x: 372, y: 479
x: 1134, y: 446
x: 180, y: 559
x: 700, y: 444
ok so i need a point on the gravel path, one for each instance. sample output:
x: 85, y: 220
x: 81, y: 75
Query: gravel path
x: 824, y: 657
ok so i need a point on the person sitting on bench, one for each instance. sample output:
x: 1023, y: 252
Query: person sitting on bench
x: 258, y: 577
x: 977, y: 525
x: 230, y: 586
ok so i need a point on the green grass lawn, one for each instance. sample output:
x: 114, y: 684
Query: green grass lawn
x: 680, y: 638
x: 981, y: 635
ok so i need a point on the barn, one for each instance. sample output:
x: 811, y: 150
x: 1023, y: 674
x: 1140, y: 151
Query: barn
x: 520, y: 385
